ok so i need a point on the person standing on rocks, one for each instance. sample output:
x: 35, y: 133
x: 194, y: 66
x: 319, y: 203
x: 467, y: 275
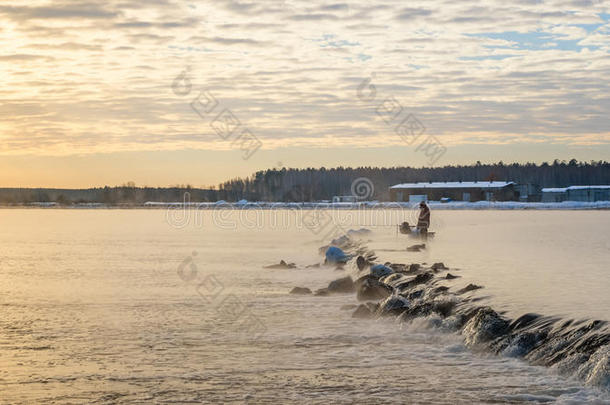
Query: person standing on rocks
x: 423, y: 222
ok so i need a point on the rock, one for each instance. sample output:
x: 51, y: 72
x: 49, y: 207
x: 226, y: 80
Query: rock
x: 414, y: 267
x: 369, y: 288
x: 524, y: 320
x: 300, y: 290
x: 361, y: 263
x: 518, y: 345
x: 281, y: 265
x: 380, y: 270
x: 335, y: 255
x: 468, y: 288
x: 418, y: 310
x: 415, y: 294
x: 322, y: 292
x: 370, y: 257
x: 313, y: 266
x: 364, y: 278
x: 362, y: 312
x: 398, y: 267
x: 359, y: 232
x: 392, y: 279
x: 450, y: 276
x: 343, y: 241
x: 484, y: 325
x: 440, y: 290
x: 442, y: 308
x: 341, y: 285
x: 419, y: 279
x: 439, y: 266
x: 416, y: 248
x: 393, y: 305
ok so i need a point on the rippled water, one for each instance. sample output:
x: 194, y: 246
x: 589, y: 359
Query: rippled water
x: 94, y: 310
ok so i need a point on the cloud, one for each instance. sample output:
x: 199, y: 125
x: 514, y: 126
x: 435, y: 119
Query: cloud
x: 314, y: 17
x: 67, y: 46
x: 230, y: 41
x: 23, y: 57
x: 408, y: 14
x: 91, y: 77
x: 58, y: 11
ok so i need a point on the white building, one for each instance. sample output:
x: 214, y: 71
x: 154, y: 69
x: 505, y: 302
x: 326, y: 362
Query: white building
x: 454, y: 190
x: 576, y: 193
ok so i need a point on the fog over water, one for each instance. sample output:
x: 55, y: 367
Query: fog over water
x: 142, y: 306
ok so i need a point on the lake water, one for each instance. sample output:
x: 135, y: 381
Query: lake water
x: 142, y: 306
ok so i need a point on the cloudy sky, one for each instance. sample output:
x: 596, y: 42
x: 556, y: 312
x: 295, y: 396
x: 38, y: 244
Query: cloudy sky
x: 107, y: 92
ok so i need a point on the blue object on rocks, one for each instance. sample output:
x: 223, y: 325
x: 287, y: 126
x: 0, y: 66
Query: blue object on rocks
x: 336, y: 255
x: 380, y: 270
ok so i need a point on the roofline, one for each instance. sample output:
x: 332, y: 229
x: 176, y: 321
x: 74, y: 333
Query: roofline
x: 571, y: 188
x: 456, y: 184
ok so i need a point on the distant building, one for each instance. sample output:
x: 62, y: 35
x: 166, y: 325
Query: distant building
x: 417, y: 198
x: 554, y: 194
x: 344, y: 198
x: 576, y: 193
x: 528, y: 192
x: 457, y: 190
x: 589, y: 193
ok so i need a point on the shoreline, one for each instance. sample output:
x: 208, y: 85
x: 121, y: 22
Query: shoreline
x: 365, y: 205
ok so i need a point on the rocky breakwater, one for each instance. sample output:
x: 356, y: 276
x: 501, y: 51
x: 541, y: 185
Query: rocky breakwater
x: 409, y: 291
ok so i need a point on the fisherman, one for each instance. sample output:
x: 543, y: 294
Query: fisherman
x: 423, y: 222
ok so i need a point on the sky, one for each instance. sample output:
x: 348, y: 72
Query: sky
x: 165, y: 92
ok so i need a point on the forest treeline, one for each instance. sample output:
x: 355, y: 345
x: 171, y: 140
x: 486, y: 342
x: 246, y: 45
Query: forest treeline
x: 126, y: 194
x: 322, y: 184
x: 315, y: 184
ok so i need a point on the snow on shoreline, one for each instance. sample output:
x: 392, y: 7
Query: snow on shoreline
x: 435, y: 205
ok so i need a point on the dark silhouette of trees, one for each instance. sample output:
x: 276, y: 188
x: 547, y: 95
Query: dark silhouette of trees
x: 128, y: 195
x: 322, y: 184
x: 315, y: 184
